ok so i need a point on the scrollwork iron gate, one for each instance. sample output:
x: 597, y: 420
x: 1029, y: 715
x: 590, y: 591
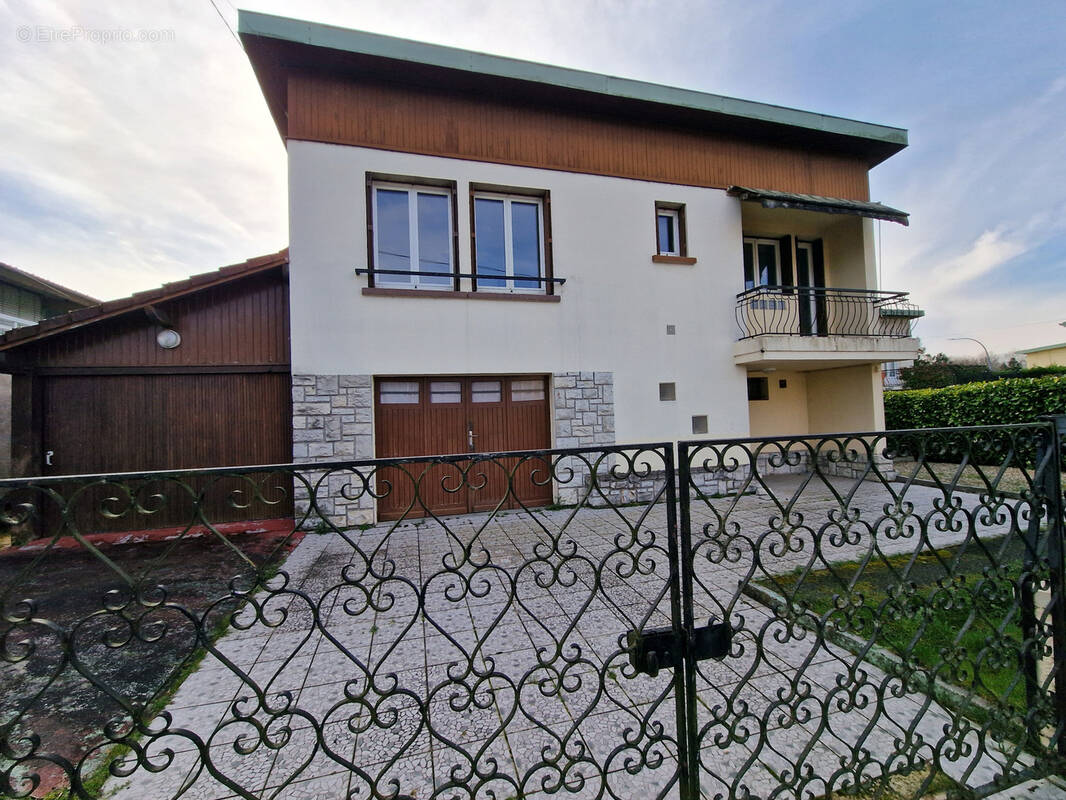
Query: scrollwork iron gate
x: 875, y: 615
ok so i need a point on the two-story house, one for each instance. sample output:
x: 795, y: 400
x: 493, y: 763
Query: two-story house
x: 489, y: 254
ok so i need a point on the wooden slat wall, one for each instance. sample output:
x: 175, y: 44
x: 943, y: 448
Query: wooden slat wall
x: 343, y: 111
x: 142, y: 422
x: 240, y: 323
x: 120, y: 423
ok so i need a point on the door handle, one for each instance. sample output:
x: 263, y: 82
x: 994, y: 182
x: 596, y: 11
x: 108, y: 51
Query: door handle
x: 470, y: 436
x: 48, y: 457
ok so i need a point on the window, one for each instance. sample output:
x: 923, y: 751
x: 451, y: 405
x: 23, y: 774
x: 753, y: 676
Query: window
x: 668, y: 231
x: 509, y: 252
x: 667, y: 392
x: 398, y: 392
x: 486, y: 391
x: 699, y: 423
x: 762, y: 260
x: 445, y: 392
x: 758, y: 389
x: 671, y: 246
x: 525, y: 390
x: 413, y: 236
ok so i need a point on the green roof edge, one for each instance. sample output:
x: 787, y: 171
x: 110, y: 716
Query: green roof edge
x: 1041, y: 349
x: 253, y: 23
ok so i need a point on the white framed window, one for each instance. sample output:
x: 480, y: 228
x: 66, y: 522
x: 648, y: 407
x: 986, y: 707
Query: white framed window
x: 412, y: 227
x: 509, y: 243
x: 668, y: 231
x: 762, y: 262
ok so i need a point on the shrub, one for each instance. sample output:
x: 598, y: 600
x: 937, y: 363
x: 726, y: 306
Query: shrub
x: 1001, y: 402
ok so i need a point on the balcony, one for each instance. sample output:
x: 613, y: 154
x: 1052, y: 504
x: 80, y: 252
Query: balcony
x: 816, y: 328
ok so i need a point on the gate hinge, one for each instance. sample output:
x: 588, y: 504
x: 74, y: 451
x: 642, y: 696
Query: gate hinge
x: 661, y: 648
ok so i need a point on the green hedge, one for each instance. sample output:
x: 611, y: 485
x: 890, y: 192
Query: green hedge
x: 992, y: 403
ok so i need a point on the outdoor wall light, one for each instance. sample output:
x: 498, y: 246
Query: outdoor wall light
x: 168, y: 338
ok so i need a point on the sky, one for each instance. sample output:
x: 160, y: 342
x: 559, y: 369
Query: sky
x: 136, y: 147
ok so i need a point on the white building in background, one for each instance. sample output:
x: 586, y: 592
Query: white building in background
x: 488, y: 254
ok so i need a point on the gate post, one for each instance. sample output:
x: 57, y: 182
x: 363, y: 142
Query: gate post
x: 1051, y: 487
x: 686, y: 680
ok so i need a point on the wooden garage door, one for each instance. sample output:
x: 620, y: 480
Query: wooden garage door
x: 448, y: 415
x: 136, y: 423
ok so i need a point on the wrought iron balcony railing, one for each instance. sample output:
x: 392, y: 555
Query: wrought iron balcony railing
x: 806, y: 311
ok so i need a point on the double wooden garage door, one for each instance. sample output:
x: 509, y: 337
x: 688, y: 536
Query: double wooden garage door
x: 453, y: 415
x: 137, y: 423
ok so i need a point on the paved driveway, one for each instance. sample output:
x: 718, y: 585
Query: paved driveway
x: 482, y: 656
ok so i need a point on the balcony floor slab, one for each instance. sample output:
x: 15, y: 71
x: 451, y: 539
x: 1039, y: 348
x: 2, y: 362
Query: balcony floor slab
x: 805, y: 353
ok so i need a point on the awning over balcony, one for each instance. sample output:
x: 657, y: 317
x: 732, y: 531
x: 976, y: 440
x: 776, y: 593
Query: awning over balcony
x: 810, y: 202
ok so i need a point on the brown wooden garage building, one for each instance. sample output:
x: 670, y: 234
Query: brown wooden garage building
x: 193, y: 374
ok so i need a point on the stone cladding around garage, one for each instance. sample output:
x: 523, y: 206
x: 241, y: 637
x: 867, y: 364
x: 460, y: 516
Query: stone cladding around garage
x: 583, y: 412
x: 333, y: 420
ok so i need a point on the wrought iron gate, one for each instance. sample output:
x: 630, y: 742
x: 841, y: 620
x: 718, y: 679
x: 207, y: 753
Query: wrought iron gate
x: 895, y: 602
x: 874, y: 615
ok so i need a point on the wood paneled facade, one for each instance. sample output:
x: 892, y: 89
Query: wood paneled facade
x: 105, y: 397
x: 502, y: 129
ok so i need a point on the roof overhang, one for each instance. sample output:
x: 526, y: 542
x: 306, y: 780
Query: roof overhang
x: 768, y: 198
x: 34, y: 283
x: 90, y: 315
x: 280, y: 46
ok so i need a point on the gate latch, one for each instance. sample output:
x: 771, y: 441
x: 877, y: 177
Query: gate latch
x: 660, y: 648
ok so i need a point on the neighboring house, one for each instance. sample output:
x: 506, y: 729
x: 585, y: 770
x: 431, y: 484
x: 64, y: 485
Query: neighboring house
x: 1050, y: 355
x: 490, y: 254
x: 25, y: 299
x: 194, y: 374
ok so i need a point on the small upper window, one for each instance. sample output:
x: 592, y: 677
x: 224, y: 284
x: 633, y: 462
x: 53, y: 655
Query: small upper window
x: 412, y: 228
x: 668, y: 221
x: 670, y: 241
x: 509, y: 242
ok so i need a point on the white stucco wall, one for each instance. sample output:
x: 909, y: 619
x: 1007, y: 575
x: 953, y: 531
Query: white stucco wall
x: 614, y: 310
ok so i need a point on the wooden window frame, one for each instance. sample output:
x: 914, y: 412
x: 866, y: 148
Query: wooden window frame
x: 376, y: 179
x: 543, y: 198
x: 677, y: 212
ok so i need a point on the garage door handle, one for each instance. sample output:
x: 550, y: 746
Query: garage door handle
x: 470, y: 436
x: 48, y: 457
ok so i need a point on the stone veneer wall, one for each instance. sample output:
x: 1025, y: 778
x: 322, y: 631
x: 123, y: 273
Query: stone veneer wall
x: 584, y: 417
x: 333, y: 420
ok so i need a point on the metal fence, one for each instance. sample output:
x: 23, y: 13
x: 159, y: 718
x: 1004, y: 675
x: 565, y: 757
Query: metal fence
x: 820, y: 311
x: 866, y: 614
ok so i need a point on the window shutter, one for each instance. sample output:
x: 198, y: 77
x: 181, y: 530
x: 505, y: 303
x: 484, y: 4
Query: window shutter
x: 818, y: 254
x: 370, y: 263
x: 786, y: 264
x: 549, y: 266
